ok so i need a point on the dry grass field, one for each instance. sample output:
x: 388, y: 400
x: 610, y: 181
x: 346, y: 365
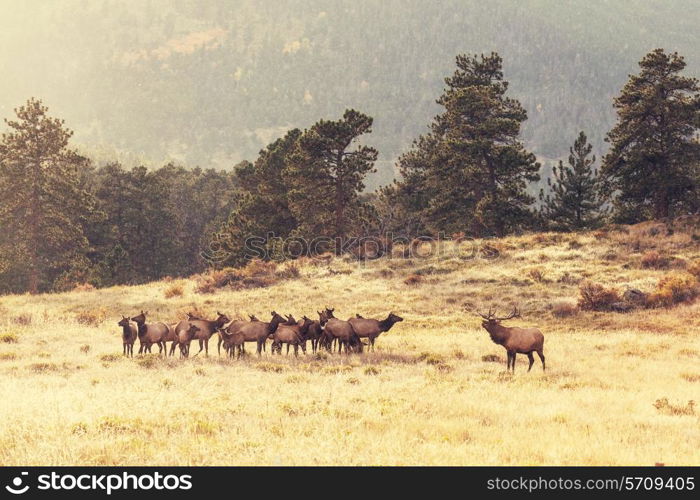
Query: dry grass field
x: 618, y: 390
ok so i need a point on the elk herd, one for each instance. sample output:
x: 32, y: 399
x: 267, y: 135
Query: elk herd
x: 327, y: 332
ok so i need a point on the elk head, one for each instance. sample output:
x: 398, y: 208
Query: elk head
x: 124, y: 321
x: 222, y: 319
x: 141, y: 318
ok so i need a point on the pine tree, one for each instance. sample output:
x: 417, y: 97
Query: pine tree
x: 471, y: 171
x: 574, y: 202
x: 325, y: 175
x: 652, y: 149
x: 43, y: 208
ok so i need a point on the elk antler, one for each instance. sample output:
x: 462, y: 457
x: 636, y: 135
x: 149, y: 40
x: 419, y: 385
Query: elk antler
x: 488, y: 316
x: 514, y: 314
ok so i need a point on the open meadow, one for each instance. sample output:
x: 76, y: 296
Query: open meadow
x: 619, y: 387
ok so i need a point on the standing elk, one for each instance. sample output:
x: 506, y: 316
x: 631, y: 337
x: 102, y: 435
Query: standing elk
x: 149, y: 334
x: 256, y: 331
x: 291, y: 333
x: 184, y: 339
x: 515, y: 340
x: 372, y: 328
x: 342, y: 331
x: 129, y: 334
x: 314, y: 333
x: 223, y: 331
x: 206, y: 329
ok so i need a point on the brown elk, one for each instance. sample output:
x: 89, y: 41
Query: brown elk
x: 256, y: 331
x: 338, y: 330
x: 184, y: 339
x: 206, y: 329
x: 314, y: 333
x: 230, y: 328
x: 149, y: 334
x: 372, y: 328
x: 515, y: 340
x: 293, y: 333
x: 129, y: 334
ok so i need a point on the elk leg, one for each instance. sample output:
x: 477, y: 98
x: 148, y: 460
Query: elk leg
x: 296, y: 350
x: 532, y: 360
x: 541, y: 355
x: 512, y: 364
x: 260, y: 346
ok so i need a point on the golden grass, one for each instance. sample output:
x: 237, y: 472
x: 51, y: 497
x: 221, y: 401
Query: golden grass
x: 618, y: 388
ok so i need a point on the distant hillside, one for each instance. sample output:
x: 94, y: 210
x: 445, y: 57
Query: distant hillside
x: 210, y: 83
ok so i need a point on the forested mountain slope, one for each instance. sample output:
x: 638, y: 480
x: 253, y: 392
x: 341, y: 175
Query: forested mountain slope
x: 210, y: 83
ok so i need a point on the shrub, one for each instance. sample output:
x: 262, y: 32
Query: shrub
x: 654, y: 260
x: 431, y: 358
x: 85, y: 348
x: 491, y: 358
x: 413, y: 279
x: 218, y: 278
x: 595, y: 297
x: 568, y: 279
x: 673, y: 289
x: 664, y: 406
x: 174, y: 290
x: 258, y: 267
x: 490, y: 251
x: 537, y: 274
x: 7, y: 356
x: 371, y: 370
x: 694, y: 268
x: 290, y: 271
x: 9, y: 338
x: 23, y: 319
x: 92, y: 317
x: 564, y: 309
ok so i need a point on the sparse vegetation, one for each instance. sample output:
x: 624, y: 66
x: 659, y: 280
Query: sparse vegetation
x: 174, y: 290
x: 439, y: 361
x: 596, y: 297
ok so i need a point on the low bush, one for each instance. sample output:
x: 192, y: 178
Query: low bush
x: 564, y: 309
x: 596, y: 297
x: 174, y: 290
x: 672, y: 289
x: 413, y: 279
x: 91, y: 317
x: 9, y: 338
x: 654, y: 260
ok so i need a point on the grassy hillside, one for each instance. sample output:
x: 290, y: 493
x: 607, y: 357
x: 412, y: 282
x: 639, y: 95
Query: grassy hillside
x: 617, y: 389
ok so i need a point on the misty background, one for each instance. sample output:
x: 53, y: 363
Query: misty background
x: 211, y: 83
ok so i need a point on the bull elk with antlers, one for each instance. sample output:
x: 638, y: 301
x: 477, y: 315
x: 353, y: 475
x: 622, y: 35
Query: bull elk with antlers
x: 515, y: 340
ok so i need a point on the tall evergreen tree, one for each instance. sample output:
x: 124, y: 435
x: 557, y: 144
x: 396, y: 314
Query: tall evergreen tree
x: 43, y: 208
x: 574, y: 202
x: 325, y: 175
x: 652, y: 147
x: 471, y: 171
